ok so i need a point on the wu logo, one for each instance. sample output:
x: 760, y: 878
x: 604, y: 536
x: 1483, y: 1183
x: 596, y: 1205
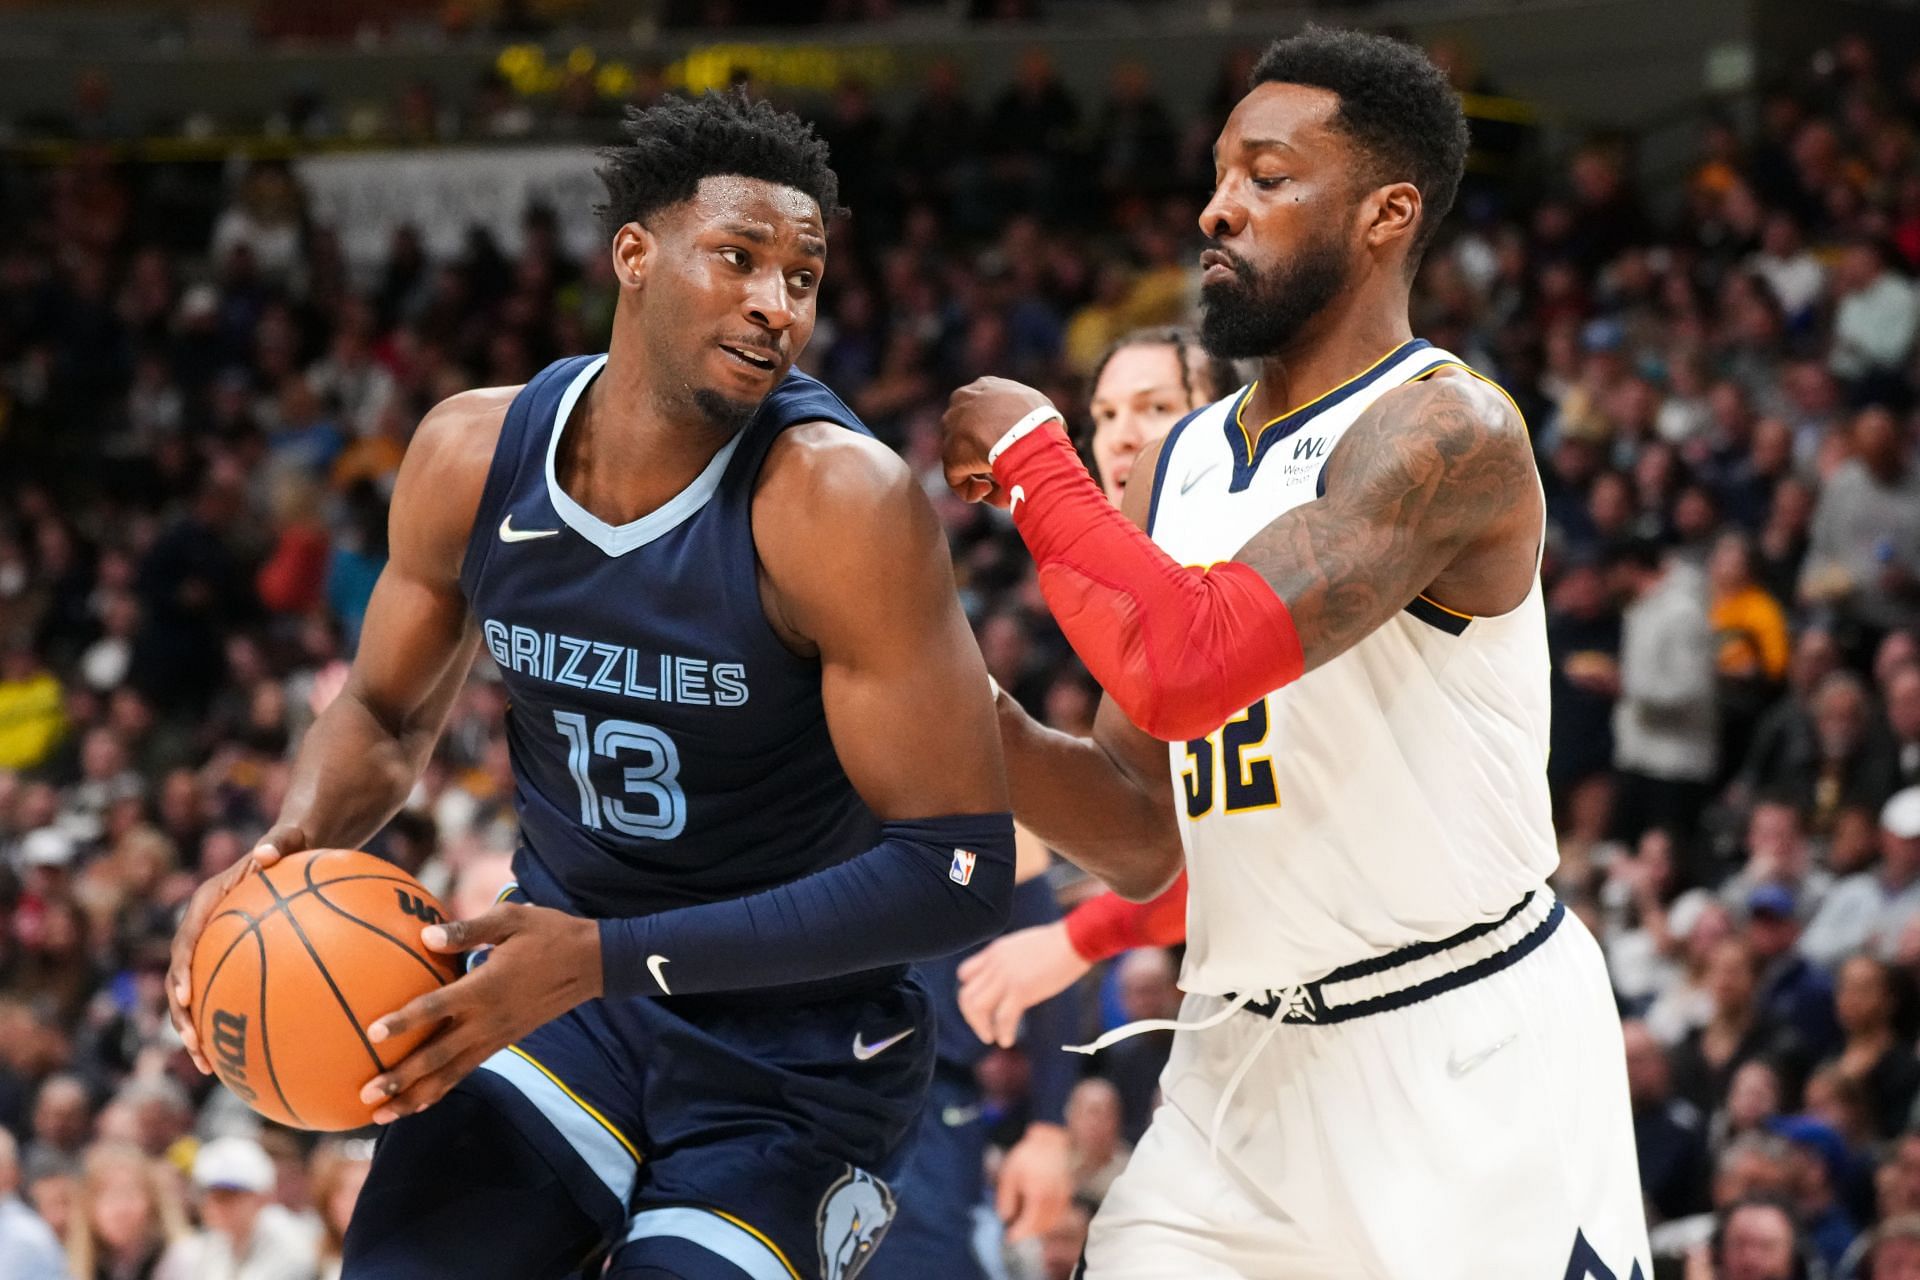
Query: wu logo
x: 1308, y: 449
x: 1585, y: 1264
x: 419, y: 908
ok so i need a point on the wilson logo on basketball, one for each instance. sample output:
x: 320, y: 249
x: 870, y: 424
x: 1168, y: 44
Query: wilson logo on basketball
x: 419, y: 908
x: 230, y: 1051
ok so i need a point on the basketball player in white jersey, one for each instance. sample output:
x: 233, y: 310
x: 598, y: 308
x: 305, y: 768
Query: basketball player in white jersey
x: 1326, y: 670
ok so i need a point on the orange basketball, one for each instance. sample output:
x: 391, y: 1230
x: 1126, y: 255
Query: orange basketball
x: 296, y: 963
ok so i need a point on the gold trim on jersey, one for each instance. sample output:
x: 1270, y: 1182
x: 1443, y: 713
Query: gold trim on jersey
x: 1239, y: 410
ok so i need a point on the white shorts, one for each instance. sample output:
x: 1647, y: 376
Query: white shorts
x: 1456, y: 1112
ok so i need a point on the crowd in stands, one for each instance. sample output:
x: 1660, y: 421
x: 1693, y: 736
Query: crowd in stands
x: 201, y: 422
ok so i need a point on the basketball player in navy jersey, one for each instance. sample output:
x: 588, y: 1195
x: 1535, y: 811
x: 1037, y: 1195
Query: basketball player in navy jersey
x: 756, y: 769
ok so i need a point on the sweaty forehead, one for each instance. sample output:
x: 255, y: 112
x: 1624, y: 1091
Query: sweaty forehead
x: 779, y: 211
x: 1293, y: 117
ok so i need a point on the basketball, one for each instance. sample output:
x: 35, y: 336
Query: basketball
x: 295, y: 964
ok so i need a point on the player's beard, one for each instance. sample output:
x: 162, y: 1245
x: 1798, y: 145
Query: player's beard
x: 723, y: 411
x: 1254, y: 315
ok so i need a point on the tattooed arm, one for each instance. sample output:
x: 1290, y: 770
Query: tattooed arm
x: 1430, y: 492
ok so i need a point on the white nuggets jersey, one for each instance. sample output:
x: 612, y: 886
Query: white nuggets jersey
x: 1393, y: 796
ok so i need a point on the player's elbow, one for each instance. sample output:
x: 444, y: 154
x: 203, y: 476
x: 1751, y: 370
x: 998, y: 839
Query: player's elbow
x: 1172, y: 710
x: 1149, y: 873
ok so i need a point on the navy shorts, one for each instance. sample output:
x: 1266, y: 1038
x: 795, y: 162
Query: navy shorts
x: 687, y: 1136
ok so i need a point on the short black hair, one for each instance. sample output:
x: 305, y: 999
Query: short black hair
x: 1394, y: 102
x: 676, y: 142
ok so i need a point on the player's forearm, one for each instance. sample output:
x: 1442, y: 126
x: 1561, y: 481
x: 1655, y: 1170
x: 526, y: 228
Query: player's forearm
x: 931, y: 887
x: 352, y: 774
x: 1084, y: 803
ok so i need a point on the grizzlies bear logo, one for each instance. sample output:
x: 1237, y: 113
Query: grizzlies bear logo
x: 853, y: 1216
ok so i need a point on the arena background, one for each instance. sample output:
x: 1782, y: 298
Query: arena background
x: 244, y: 247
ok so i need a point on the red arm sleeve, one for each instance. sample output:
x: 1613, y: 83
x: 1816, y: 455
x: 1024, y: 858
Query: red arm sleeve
x: 1180, y: 650
x: 1104, y: 926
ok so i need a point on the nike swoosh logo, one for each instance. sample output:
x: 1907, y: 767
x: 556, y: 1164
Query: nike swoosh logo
x: 862, y: 1050
x: 510, y: 534
x: 955, y: 1117
x: 655, y: 966
x: 1458, y: 1067
x: 1018, y: 496
x: 1197, y: 477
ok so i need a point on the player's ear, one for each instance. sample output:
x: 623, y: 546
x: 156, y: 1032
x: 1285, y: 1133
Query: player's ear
x: 633, y: 249
x: 1391, y: 211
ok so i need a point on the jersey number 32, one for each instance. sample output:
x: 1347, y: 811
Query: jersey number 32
x: 1248, y: 779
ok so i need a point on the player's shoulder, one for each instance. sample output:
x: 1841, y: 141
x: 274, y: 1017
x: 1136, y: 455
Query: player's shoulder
x: 462, y: 430
x: 1455, y: 397
x: 823, y: 473
x: 444, y: 473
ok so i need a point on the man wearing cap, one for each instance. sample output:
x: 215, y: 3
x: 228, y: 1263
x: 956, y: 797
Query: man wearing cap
x: 46, y: 848
x: 1793, y: 990
x: 1872, y: 908
x: 245, y: 1235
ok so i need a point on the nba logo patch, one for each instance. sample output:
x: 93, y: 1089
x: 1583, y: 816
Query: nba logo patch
x: 961, y: 872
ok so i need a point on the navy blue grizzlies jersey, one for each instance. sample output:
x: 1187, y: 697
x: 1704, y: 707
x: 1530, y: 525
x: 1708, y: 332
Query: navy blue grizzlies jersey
x: 667, y: 748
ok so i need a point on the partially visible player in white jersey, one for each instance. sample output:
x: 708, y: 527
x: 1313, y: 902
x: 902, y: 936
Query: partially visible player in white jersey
x: 1326, y: 673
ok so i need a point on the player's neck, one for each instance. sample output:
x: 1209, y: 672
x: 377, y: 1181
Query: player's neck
x: 1343, y: 344
x: 624, y: 453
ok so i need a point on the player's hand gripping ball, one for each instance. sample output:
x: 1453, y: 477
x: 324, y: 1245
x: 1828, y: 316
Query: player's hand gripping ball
x: 295, y: 963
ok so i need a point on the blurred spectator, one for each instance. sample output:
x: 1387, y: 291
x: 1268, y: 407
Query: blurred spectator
x: 1902, y: 687
x: 1817, y: 1169
x: 1093, y: 1129
x: 1872, y: 909
x: 1875, y: 1055
x: 1778, y: 856
x: 1736, y: 1032
x: 1874, y: 322
x: 1752, y: 1166
x: 62, y: 1122
x: 1832, y: 759
x: 1670, y: 1133
x: 245, y: 1235
x: 1894, y: 1252
x: 1664, y: 725
x: 127, y: 1212
x: 1757, y: 1240
x: 1148, y: 983
x: 1793, y: 991
x: 1754, y: 643
x: 1864, y: 556
x: 339, y: 1171
x: 28, y: 1247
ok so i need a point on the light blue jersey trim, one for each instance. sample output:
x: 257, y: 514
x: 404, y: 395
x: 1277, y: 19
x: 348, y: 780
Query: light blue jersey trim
x: 714, y: 1234
x: 617, y: 540
x: 590, y: 1139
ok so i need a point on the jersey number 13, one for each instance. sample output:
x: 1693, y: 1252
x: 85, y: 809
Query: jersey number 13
x: 649, y: 776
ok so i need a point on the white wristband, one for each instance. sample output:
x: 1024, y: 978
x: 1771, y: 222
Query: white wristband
x: 1026, y: 426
